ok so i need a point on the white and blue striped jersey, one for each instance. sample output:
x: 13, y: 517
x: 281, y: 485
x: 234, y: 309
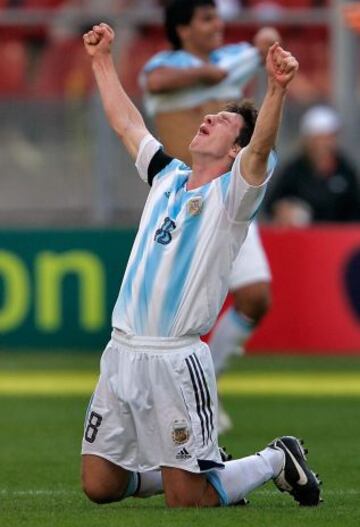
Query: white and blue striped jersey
x: 177, y: 275
x: 240, y: 60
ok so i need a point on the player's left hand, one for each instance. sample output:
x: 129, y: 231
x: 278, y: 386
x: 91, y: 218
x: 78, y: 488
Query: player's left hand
x: 281, y: 66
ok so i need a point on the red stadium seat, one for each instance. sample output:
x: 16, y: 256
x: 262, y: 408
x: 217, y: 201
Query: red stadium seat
x: 64, y: 71
x: 289, y: 4
x: 133, y: 56
x: 42, y: 4
x: 310, y: 45
x: 13, y: 69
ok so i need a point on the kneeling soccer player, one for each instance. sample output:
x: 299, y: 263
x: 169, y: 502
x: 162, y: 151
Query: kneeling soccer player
x: 155, y: 403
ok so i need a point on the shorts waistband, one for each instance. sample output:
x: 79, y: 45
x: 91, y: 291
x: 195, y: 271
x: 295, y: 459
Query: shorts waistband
x: 154, y: 343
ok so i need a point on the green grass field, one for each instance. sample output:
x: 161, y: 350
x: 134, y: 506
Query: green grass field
x: 42, y: 403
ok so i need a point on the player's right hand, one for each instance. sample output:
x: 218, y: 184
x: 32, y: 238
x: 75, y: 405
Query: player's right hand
x: 211, y: 74
x: 99, y: 39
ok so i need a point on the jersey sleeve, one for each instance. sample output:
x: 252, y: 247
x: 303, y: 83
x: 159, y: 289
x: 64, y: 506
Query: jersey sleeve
x: 151, y: 159
x: 242, y: 61
x: 242, y: 200
x: 160, y: 60
x: 171, y: 59
x: 167, y: 59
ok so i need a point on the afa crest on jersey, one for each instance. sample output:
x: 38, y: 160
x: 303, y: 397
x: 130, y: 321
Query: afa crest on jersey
x: 195, y: 205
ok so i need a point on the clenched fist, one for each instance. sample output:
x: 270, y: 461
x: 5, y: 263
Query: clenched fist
x: 99, y: 39
x: 281, y: 66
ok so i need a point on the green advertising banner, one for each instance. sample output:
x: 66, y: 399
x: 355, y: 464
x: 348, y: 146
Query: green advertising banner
x: 58, y: 287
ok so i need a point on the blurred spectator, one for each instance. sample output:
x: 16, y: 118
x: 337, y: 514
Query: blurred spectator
x: 352, y: 16
x: 267, y: 11
x: 229, y: 9
x: 319, y: 184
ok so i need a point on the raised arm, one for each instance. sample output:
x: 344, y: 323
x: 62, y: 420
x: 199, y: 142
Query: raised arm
x: 165, y: 79
x: 281, y: 68
x: 121, y: 113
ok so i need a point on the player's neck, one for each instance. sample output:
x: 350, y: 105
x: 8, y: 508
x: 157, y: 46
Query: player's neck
x: 205, y: 170
x: 196, y: 51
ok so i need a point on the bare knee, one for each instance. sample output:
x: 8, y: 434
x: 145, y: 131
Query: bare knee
x: 253, y: 301
x: 98, y: 494
x: 102, y: 481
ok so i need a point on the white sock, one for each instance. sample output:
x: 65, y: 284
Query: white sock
x: 233, y: 483
x: 230, y: 333
x: 150, y: 484
x: 241, y: 476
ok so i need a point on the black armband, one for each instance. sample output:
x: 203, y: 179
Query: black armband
x: 157, y: 164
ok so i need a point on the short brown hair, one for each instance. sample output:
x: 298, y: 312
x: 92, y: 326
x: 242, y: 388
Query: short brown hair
x: 249, y: 113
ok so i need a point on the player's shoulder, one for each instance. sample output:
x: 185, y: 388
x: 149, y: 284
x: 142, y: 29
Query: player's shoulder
x: 170, y: 58
x: 230, y: 50
x: 164, y: 165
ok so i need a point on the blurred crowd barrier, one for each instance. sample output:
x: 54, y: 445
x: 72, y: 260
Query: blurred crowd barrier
x: 316, y: 291
x: 59, y: 288
x: 60, y: 163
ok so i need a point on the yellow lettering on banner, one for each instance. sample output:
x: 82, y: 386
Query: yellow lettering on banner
x: 51, y: 269
x: 16, y: 291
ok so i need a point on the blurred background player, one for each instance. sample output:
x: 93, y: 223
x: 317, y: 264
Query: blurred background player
x: 197, y: 77
x: 319, y: 183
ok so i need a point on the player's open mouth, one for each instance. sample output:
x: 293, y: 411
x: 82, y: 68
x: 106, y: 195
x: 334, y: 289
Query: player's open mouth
x: 203, y: 130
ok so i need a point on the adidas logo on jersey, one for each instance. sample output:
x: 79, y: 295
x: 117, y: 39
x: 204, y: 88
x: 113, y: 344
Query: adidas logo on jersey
x: 183, y: 454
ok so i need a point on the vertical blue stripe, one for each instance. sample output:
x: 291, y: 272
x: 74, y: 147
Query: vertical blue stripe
x: 224, y: 182
x: 125, y: 295
x: 152, y: 265
x: 185, y: 252
x: 271, y: 164
x: 143, y: 304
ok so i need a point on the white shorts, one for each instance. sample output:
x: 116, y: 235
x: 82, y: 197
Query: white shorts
x: 251, y: 264
x: 155, y: 405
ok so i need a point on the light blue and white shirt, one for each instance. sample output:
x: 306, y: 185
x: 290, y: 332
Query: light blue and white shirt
x: 240, y: 60
x: 177, y: 275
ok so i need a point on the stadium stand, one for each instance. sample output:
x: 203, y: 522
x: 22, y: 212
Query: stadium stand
x: 45, y: 74
x: 288, y: 4
x: 63, y: 71
x: 42, y: 4
x: 13, y: 69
